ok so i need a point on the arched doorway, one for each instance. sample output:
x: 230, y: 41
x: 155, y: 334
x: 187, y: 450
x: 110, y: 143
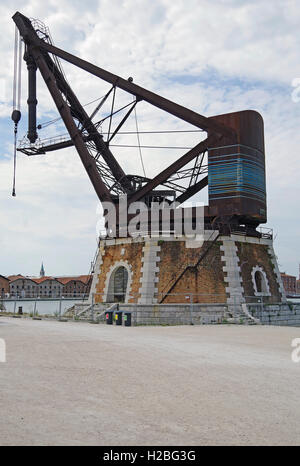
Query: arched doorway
x: 117, y: 287
x: 258, y: 281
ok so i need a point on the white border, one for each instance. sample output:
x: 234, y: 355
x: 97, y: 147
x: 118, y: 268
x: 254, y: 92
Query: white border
x: 255, y: 269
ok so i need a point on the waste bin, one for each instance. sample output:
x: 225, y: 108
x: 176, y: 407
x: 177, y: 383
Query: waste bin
x: 109, y: 317
x: 20, y: 310
x: 118, y: 317
x: 127, y: 319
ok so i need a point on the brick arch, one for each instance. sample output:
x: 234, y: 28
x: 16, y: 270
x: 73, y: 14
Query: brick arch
x: 265, y: 290
x: 113, y: 268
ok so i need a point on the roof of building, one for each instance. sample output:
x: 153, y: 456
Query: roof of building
x: 2, y: 276
x: 283, y: 274
x: 43, y: 279
x: 81, y: 278
x: 14, y: 278
x: 11, y: 278
x: 63, y: 280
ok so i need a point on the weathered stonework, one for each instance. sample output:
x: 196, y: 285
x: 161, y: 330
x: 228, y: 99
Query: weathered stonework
x: 113, y: 253
x: 150, y: 270
x: 277, y: 272
x: 253, y: 255
x: 202, y: 284
x: 167, y: 270
x: 232, y: 272
x: 97, y: 271
x: 108, y: 285
x: 263, y: 292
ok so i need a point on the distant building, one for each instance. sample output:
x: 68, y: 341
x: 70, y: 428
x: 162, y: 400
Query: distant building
x: 46, y: 287
x: 298, y: 286
x: 75, y: 286
x: 4, y: 286
x: 289, y: 283
x: 49, y: 287
x: 22, y: 287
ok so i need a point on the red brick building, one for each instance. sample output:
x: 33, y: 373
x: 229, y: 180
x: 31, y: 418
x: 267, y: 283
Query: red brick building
x: 45, y: 287
x: 4, y: 286
x: 23, y: 287
x: 289, y: 283
x: 48, y: 287
x: 75, y: 286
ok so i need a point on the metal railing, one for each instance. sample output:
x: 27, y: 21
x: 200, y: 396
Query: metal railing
x: 40, y: 295
x: 36, y: 306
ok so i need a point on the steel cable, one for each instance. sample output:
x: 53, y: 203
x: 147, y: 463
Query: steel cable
x: 139, y: 144
x: 16, y: 114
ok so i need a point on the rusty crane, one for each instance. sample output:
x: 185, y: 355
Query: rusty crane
x: 235, y: 171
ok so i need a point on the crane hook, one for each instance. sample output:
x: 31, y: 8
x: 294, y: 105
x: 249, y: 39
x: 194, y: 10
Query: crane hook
x: 15, y: 116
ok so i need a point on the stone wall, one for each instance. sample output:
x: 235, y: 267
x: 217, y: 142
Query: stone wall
x: 176, y: 314
x: 196, y: 314
x: 168, y: 314
x: 287, y: 315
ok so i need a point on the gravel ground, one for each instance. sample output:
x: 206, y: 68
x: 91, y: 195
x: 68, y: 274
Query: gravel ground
x: 76, y: 383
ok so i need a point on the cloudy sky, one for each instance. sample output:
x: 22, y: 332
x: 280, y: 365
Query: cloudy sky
x: 213, y: 56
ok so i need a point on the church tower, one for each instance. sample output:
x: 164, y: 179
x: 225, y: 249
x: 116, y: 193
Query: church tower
x: 42, y: 271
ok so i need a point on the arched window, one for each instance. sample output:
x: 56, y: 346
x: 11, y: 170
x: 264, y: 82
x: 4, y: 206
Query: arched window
x: 260, y: 282
x: 118, y: 285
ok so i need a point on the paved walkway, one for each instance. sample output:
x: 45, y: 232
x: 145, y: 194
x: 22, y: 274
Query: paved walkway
x: 81, y: 384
